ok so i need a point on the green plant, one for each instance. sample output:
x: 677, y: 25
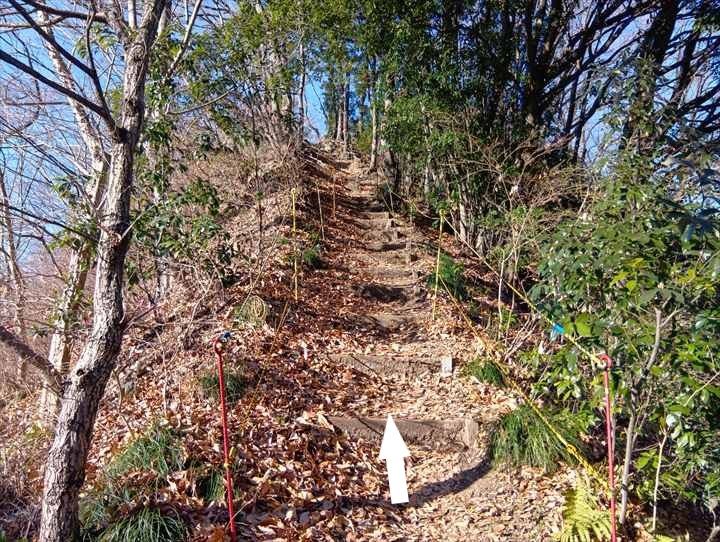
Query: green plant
x: 310, y: 257
x: 234, y: 384
x: 583, y: 521
x: 146, y: 525
x: 212, y: 486
x: 157, y: 450
x: 102, y: 512
x: 486, y: 371
x: 638, y: 278
x: 449, y: 275
x: 522, y: 438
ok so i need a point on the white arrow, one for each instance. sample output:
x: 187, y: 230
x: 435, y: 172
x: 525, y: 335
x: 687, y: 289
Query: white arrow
x: 394, y: 451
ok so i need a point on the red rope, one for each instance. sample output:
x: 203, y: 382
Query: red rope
x: 610, y: 435
x: 217, y: 346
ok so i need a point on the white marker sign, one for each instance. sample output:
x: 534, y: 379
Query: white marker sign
x: 394, y: 451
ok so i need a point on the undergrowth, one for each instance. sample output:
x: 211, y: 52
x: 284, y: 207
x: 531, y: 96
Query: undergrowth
x: 253, y: 310
x: 145, y: 525
x: 310, y: 253
x: 583, y: 520
x: 158, y: 450
x: 235, y: 385
x: 310, y: 257
x: 450, y: 276
x: 212, y: 487
x: 486, y: 371
x: 522, y: 438
x: 135, y: 474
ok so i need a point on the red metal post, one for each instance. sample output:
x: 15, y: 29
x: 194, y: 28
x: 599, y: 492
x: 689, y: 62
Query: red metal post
x: 217, y: 346
x: 610, y: 435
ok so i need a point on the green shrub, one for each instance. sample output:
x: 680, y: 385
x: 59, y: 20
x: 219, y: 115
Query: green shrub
x: 638, y: 278
x: 310, y: 257
x: 234, y: 385
x: 146, y: 525
x: 523, y: 438
x: 486, y: 371
x: 450, y: 276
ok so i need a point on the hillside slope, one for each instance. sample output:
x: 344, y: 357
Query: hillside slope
x: 313, y: 380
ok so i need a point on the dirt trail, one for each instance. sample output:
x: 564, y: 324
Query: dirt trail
x: 445, y: 419
x: 359, y: 343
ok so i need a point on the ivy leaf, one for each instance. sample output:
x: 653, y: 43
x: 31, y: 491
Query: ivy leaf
x: 583, y: 325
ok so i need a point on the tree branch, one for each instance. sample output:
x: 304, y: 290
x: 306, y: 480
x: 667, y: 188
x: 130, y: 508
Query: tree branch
x: 50, y: 39
x: 95, y: 108
x: 41, y: 363
x: 67, y: 14
x: 186, y: 39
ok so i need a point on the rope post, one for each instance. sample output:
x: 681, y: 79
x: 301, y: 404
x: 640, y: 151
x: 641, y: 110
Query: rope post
x: 217, y: 347
x: 610, y: 436
x: 295, y: 248
x: 437, y: 266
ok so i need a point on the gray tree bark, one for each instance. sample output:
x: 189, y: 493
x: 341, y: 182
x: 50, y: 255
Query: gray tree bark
x: 65, y: 468
x: 61, y: 341
x: 16, y: 275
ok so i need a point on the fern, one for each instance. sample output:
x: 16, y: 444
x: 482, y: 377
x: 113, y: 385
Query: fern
x: 582, y: 519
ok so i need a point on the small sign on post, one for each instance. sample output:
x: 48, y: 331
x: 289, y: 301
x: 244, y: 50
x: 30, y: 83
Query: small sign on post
x: 446, y: 365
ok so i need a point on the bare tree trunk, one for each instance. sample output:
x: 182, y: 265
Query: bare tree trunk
x: 301, y: 94
x: 16, y: 275
x: 346, y: 105
x: 61, y: 342
x: 338, y: 123
x: 65, y: 468
x: 374, y: 123
x: 132, y: 14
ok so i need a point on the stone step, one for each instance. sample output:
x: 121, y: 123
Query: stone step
x: 390, y: 322
x: 377, y: 223
x: 388, y: 246
x: 392, y: 234
x: 402, y: 257
x: 366, y: 205
x: 375, y: 215
x: 387, y: 365
x: 451, y: 433
x: 389, y: 293
x: 395, y: 276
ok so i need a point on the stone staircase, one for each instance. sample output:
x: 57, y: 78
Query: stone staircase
x: 398, y: 289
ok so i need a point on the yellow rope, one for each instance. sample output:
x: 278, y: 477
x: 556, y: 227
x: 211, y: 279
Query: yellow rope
x: 593, y: 357
x: 572, y: 450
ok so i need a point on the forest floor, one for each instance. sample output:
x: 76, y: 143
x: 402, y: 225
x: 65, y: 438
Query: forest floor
x: 321, y: 375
